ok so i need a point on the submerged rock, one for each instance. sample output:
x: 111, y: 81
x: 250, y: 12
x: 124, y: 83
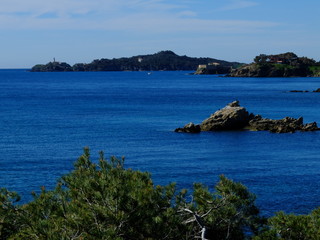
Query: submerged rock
x: 235, y: 117
x: 299, y: 91
x: 305, y: 91
x: 317, y: 90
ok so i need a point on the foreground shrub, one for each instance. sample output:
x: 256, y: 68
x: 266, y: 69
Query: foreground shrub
x: 104, y: 200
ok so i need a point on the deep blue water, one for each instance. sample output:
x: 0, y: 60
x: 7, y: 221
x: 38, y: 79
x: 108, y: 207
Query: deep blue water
x: 47, y: 118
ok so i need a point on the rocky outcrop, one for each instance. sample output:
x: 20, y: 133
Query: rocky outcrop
x: 235, y: 117
x: 285, y: 125
x: 189, y: 128
x: 213, y: 68
x: 231, y: 117
x: 305, y: 91
x: 280, y: 65
x: 299, y: 91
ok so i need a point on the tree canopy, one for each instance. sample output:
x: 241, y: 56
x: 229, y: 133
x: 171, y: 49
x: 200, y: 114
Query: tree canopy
x: 104, y: 200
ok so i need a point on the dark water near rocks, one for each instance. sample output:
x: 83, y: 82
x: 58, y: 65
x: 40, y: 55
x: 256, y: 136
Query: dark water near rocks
x: 47, y: 118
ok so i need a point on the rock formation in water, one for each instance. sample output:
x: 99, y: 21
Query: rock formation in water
x: 305, y: 91
x: 231, y: 117
x: 235, y: 117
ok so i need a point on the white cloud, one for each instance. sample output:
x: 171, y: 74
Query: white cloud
x: 187, y: 14
x: 71, y: 6
x: 173, y: 24
x: 27, y: 12
x: 152, y: 16
x: 238, y: 4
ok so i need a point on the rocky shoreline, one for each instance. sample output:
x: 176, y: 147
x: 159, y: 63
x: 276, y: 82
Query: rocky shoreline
x: 235, y: 117
x: 280, y: 65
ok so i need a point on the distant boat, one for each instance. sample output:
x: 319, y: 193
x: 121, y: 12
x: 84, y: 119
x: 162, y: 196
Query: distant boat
x: 149, y: 73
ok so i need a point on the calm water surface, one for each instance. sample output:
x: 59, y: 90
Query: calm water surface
x: 47, y: 118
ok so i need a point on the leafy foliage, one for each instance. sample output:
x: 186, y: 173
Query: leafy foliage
x: 8, y: 212
x: 104, y: 200
x: 101, y: 201
x: 293, y: 227
x: 227, y: 213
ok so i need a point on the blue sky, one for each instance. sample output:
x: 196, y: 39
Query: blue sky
x: 36, y: 31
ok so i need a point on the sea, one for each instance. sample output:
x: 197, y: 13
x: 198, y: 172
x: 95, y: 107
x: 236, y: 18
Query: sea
x: 46, y: 119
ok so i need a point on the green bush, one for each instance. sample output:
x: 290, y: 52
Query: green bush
x: 104, y: 200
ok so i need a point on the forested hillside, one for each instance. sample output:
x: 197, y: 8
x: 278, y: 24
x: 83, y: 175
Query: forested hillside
x: 161, y: 61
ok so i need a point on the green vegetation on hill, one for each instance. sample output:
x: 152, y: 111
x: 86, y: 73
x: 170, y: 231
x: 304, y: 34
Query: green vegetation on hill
x: 315, y: 70
x: 52, y: 67
x: 106, y: 201
x: 280, y: 65
x: 161, y: 61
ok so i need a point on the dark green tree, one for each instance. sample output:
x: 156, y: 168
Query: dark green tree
x: 9, y: 222
x: 103, y: 200
x: 227, y: 213
x: 262, y: 58
x: 293, y: 227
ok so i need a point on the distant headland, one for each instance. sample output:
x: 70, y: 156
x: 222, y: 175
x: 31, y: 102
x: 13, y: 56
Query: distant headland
x: 161, y: 61
x: 280, y: 65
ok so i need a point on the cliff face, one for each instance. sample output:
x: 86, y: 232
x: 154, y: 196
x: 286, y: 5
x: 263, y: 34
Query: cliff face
x: 281, y: 65
x: 213, y: 69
